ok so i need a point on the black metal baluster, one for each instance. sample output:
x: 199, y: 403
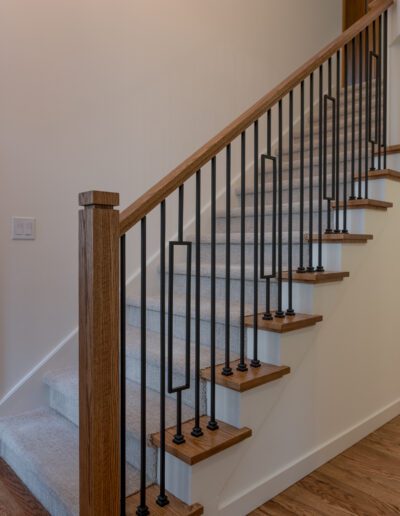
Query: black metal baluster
x: 242, y: 366
x: 329, y: 229
x: 179, y: 437
x: 290, y: 311
x: 255, y: 361
x: 279, y: 312
x: 373, y: 55
x: 197, y: 431
x: 360, y: 117
x: 337, y: 199
x: 267, y: 316
x: 367, y: 111
x: 345, y: 230
x: 385, y: 92
x: 162, y: 498
x: 320, y: 267
x: 332, y: 196
x: 310, y: 267
x: 301, y: 267
x: 378, y: 108
x: 142, y: 509
x: 123, y: 369
x: 180, y: 214
x: 212, y: 424
x: 353, y: 118
x: 227, y: 369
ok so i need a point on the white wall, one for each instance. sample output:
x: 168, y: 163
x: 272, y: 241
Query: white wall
x: 394, y: 25
x: 101, y: 94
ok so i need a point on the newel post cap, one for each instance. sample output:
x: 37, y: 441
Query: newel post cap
x: 97, y: 198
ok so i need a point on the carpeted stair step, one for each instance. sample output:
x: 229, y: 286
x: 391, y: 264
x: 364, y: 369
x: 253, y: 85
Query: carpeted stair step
x: 236, y: 247
x: 133, y: 363
x: 179, y: 319
x: 220, y: 282
x: 297, y: 141
x: 64, y: 398
x: 42, y: 448
x: 249, y: 192
x: 249, y: 216
x: 329, y: 159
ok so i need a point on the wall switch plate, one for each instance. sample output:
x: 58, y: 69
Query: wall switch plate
x: 23, y: 228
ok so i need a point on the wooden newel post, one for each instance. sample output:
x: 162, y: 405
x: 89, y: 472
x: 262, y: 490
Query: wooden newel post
x: 99, y: 410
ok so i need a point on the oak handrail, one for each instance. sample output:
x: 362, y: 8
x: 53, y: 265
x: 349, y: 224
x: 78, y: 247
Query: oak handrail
x: 161, y: 190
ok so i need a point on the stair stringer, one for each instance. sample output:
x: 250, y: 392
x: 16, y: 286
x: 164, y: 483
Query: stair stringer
x: 344, y: 382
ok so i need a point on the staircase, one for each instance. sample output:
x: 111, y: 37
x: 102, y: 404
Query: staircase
x: 251, y: 252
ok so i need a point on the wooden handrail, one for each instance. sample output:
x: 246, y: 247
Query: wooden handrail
x: 155, y: 195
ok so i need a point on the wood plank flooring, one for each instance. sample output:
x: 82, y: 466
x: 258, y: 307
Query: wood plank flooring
x: 363, y: 481
x: 15, y: 498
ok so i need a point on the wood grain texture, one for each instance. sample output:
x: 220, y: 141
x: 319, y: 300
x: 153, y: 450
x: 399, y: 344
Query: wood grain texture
x: 98, y: 198
x: 15, y: 497
x: 174, y: 508
x: 284, y: 324
x: 388, y: 173
x: 393, y: 149
x: 344, y: 238
x: 152, y: 198
x: 316, y: 277
x: 352, y: 10
x: 242, y: 381
x: 196, y: 449
x: 365, y: 479
x: 99, y: 415
x: 366, y: 204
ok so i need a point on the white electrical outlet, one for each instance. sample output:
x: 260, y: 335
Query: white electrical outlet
x: 23, y: 228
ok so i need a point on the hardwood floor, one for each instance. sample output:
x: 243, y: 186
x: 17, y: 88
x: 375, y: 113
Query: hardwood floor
x: 15, y: 498
x: 364, y: 481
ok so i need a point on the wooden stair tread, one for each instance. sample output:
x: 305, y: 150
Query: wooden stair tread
x: 242, y: 381
x: 196, y: 449
x: 345, y: 238
x: 15, y: 497
x: 384, y: 174
x: 316, y: 277
x: 175, y: 507
x: 369, y: 204
x: 284, y: 324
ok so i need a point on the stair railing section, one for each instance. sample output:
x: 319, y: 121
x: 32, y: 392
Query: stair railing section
x: 295, y: 187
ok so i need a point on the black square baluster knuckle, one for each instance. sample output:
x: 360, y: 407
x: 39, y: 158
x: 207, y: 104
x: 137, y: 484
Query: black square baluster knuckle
x: 329, y: 196
x: 267, y: 315
x: 177, y: 389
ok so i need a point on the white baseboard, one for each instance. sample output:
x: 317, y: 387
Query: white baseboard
x: 244, y: 502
